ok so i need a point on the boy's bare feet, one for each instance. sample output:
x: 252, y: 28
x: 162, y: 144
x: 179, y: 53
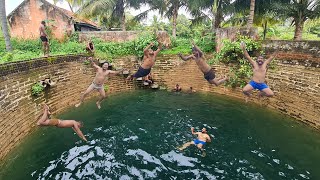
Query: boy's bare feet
x: 77, y: 105
x: 247, y: 99
x: 46, y: 107
x: 98, y: 105
x: 129, y: 78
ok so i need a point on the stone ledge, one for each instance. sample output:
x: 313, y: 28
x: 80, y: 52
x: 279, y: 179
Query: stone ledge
x: 22, y: 66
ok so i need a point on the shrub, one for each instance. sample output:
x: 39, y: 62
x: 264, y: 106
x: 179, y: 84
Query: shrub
x: 232, y: 54
x: 106, y: 87
x: 36, y: 89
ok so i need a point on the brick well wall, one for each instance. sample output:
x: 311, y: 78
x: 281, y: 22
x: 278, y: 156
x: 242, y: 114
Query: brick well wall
x: 295, y: 81
x: 19, y: 110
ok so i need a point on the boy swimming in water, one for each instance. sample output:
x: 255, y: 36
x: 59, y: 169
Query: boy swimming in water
x: 202, y: 139
x: 45, y: 121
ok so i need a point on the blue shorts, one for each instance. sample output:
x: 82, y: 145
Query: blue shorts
x: 197, y: 141
x: 259, y: 86
x: 141, y: 72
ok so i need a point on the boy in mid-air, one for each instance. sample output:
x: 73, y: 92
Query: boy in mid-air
x: 149, y: 59
x: 45, y: 121
x: 98, y: 82
x: 209, y: 73
x: 259, y: 74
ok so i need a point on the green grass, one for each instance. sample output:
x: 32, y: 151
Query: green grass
x: 286, y: 33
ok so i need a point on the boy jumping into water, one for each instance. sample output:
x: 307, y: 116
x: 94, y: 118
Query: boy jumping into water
x: 202, y: 139
x: 45, y: 121
x: 149, y: 59
x: 209, y: 73
x: 259, y: 74
x: 98, y: 82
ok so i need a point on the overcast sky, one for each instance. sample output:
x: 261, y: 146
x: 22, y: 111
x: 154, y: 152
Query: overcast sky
x: 12, y: 4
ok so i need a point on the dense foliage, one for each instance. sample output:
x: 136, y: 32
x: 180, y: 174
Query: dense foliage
x: 36, y: 89
x: 240, y: 68
x: 28, y: 49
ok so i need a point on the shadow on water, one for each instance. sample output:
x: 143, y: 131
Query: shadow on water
x: 135, y: 136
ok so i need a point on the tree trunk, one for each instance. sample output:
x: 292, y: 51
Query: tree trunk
x: 121, y: 14
x: 123, y: 22
x: 70, y: 7
x: 174, y: 21
x: 4, y: 24
x: 218, y: 19
x: 298, y: 30
x: 214, y: 10
x: 265, y: 25
x: 251, y: 15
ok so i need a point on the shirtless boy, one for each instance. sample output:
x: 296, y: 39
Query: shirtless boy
x: 98, y: 82
x: 209, y: 73
x: 44, y: 38
x: 45, y: 121
x: 202, y: 139
x: 149, y: 59
x: 259, y: 74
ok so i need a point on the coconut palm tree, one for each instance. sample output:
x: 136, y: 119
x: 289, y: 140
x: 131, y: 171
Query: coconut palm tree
x: 167, y: 8
x: 114, y: 10
x: 251, y: 14
x: 299, y: 11
x: 4, y: 23
x: 218, y: 9
x: 72, y: 3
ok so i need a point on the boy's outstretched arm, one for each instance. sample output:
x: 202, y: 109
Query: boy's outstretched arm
x: 246, y: 55
x: 185, y: 58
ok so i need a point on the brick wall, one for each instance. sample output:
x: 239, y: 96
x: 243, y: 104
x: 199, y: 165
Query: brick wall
x: 110, y: 36
x: 19, y: 110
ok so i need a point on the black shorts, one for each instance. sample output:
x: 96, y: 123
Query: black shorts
x: 44, y: 38
x: 142, y: 72
x: 209, y: 75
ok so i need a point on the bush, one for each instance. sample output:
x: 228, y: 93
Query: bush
x: 29, y: 49
x: 232, y: 53
x: 36, y: 89
x: 106, y: 87
x: 183, y: 45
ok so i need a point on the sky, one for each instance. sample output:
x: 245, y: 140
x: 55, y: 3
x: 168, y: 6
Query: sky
x: 12, y: 4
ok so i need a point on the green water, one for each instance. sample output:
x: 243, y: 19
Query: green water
x: 135, y: 135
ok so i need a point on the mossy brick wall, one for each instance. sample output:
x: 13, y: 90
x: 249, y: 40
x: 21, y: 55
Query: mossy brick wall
x: 19, y: 110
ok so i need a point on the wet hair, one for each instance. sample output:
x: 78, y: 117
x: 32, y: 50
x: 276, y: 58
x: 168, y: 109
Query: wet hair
x: 105, y: 63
